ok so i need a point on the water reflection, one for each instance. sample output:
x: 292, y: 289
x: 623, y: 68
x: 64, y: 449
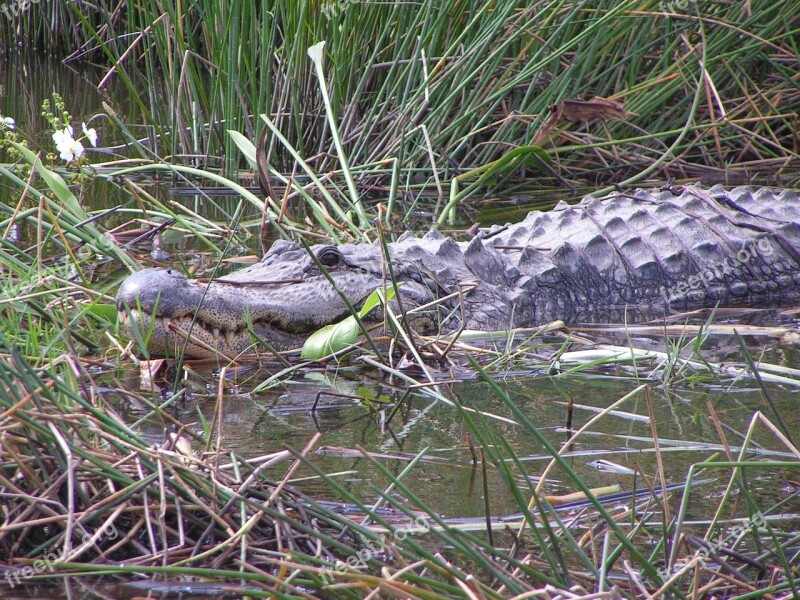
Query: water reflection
x: 259, y: 423
x: 27, y: 78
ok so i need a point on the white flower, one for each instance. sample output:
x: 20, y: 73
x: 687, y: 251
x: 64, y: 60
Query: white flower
x: 68, y: 147
x: 6, y: 122
x: 91, y: 135
x: 60, y: 137
x: 71, y: 151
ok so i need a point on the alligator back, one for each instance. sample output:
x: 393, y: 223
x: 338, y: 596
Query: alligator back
x: 654, y: 250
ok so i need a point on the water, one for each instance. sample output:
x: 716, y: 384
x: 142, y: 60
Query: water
x: 28, y: 78
x: 263, y: 422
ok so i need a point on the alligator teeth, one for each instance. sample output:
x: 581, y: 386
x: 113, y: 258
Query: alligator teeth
x: 229, y: 337
x: 215, y: 333
x: 165, y: 323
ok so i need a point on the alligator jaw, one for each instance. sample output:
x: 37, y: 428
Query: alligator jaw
x: 165, y: 308
x: 196, y: 338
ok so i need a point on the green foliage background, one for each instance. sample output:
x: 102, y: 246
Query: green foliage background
x: 450, y: 86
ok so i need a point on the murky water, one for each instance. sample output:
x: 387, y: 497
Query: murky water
x: 351, y: 405
x: 258, y: 423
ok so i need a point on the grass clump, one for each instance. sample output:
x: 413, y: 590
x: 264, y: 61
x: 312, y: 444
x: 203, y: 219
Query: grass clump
x: 616, y: 91
x: 81, y: 485
x: 92, y: 495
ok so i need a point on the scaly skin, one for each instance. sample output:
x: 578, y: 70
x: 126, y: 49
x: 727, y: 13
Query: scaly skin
x: 629, y: 255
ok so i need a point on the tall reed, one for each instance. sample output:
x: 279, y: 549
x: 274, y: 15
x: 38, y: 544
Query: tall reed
x: 445, y: 87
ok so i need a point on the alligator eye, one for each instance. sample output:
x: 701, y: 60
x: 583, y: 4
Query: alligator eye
x: 329, y: 257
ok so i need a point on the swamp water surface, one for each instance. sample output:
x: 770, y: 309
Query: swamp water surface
x: 356, y: 406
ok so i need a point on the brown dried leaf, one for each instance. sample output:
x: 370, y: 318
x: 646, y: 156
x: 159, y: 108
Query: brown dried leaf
x: 147, y: 372
x: 596, y: 109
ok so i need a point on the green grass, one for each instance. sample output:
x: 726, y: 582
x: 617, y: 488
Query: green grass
x: 73, y: 450
x: 64, y: 450
x: 442, y: 88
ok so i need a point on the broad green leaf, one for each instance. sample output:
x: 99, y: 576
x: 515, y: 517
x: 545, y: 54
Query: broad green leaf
x: 245, y: 146
x: 339, y: 336
x: 330, y: 339
x: 55, y: 182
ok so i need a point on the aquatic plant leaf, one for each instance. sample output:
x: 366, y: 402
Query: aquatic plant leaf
x: 338, y: 336
x: 331, y: 339
x: 54, y: 181
x: 246, y: 147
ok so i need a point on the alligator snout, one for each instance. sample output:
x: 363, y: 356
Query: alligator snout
x: 155, y: 308
x: 161, y: 289
x: 170, y: 314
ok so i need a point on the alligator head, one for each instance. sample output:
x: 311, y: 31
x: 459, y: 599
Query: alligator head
x: 283, y: 298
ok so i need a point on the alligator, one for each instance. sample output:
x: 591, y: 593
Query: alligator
x: 629, y: 255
